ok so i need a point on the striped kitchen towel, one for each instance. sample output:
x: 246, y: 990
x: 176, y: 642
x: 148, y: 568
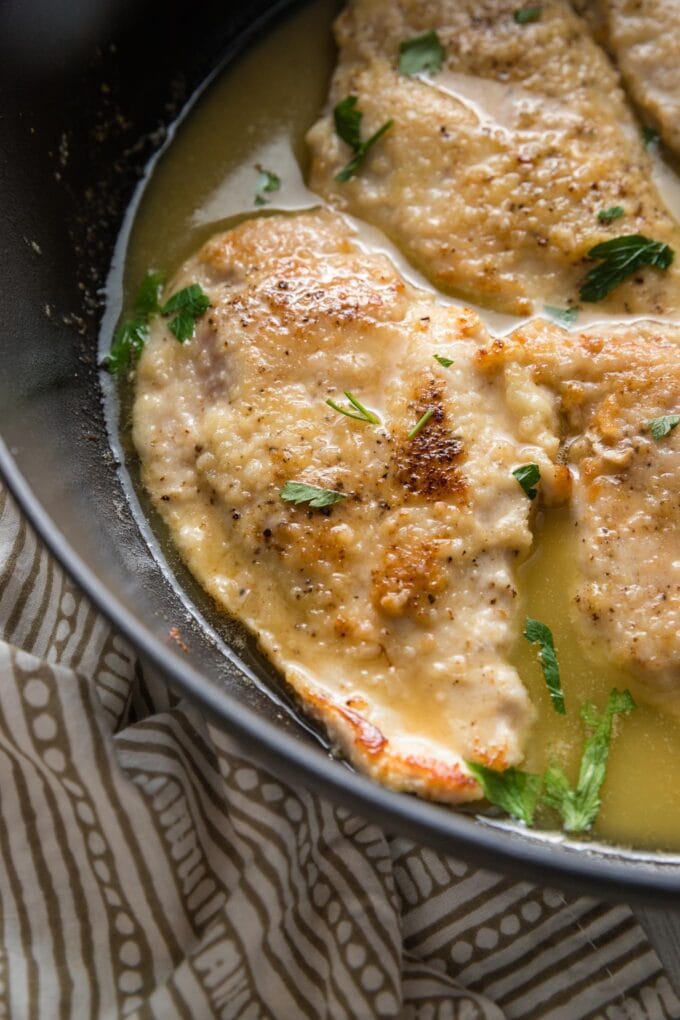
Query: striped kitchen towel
x: 148, y: 868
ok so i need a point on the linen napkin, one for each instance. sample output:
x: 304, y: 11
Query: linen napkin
x: 149, y: 868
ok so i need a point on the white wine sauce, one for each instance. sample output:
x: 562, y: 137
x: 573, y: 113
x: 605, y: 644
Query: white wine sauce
x: 256, y: 114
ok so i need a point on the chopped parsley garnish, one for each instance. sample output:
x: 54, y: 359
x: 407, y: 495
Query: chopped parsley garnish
x: 525, y: 15
x: 300, y: 492
x: 421, y: 423
x: 528, y: 476
x: 266, y: 183
x: 618, y: 259
x: 615, y: 212
x: 421, y: 53
x: 129, y: 339
x: 565, y: 316
x: 131, y: 335
x: 579, y: 806
x: 660, y: 427
x: 514, y: 790
x: 189, y: 304
x: 147, y: 302
x: 347, y: 118
x: 360, y: 413
x: 444, y: 362
x: 128, y: 343
x: 519, y: 793
x: 538, y: 633
x: 650, y: 137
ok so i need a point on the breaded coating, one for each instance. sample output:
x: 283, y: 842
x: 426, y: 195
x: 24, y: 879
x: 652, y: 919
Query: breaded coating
x: 495, y: 169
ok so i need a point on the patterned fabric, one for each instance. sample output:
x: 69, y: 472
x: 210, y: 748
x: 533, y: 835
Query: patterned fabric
x: 148, y: 868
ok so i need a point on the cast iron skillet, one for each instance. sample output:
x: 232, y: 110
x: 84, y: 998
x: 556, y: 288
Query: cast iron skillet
x: 86, y: 92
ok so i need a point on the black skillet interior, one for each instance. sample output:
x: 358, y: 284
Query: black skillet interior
x: 87, y: 91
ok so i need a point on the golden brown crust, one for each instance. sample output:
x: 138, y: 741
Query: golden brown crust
x: 390, y: 612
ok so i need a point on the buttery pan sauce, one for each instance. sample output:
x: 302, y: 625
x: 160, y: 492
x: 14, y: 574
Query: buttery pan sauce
x: 206, y: 182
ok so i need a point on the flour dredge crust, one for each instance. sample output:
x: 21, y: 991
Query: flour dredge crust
x: 492, y: 176
x: 390, y: 613
x: 643, y: 37
x: 606, y: 385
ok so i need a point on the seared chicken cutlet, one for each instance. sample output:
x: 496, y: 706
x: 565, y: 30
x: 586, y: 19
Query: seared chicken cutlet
x: 391, y: 611
x: 643, y: 36
x: 494, y: 171
x: 607, y: 386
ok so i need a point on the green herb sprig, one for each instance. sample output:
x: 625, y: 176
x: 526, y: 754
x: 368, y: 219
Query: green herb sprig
x: 525, y: 15
x: 267, y: 182
x: 347, y: 118
x: 130, y: 337
x: 421, y: 423
x: 538, y: 633
x: 514, y: 790
x: 661, y: 427
x: 301, y: 492
x: 528, y: 476
x: 618, y: 259
x: 520, y: 793
x: 579, y: 806
x: 565, y: 316
x: 188, y: 305
x: 423, y: 52
x: 356, y: 410
x: 615, y: 212
x: 443, y: 361
x: 650, y: 137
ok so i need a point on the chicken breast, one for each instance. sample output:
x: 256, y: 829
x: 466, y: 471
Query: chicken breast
x: 494, y: 171
x: 643, y: 36
x: 391, y: 612
x: 607, y: 385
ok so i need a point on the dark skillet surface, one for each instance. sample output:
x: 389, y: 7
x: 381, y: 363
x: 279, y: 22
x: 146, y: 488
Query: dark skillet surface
x: 71, y: 153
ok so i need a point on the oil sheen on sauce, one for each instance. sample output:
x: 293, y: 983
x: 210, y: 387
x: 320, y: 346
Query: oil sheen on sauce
x: 205, y: 182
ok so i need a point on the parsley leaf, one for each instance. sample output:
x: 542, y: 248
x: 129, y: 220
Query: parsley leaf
x: 515, y: 791
x: 130, y: 337
x: 444, y: 362
x: 660, y: 427
x: 189, y: 304
x: 147, y: 300
x: 421, y: 423
x: 128, y: 343
x: 650, y: 137
x: 525, y: 15
x: 300, y: 492
x: 360, y: 412
x: 619, y: 258
x: 565, y: 316
x: 615, y: 212
x: 579, y: 806
x: 421, y: 53
x: 538, y: 633
x: 347, y: 118
x: 528, y: 476
x: 266, y: 183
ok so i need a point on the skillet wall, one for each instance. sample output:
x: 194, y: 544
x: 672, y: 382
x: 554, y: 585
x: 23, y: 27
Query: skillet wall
x: 86, y: 90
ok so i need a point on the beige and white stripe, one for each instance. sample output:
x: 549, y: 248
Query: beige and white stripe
x: 149, y: 868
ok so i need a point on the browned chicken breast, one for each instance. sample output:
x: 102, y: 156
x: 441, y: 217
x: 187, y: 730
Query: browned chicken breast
x: 643, y: 36
x: 494, y: 171
x: 391, y: 611
x: 607, y: 386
